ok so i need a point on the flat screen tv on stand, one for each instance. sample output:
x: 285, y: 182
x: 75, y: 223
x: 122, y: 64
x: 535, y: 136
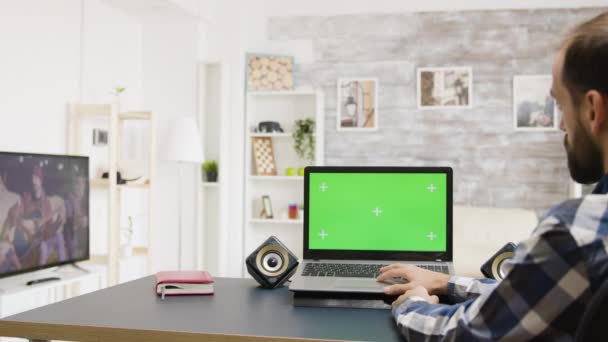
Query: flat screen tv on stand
x: 44, y: 212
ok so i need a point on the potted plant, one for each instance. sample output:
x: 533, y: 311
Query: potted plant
x: 210, y: 169
x: 304, y: 139
x: 117, y: 91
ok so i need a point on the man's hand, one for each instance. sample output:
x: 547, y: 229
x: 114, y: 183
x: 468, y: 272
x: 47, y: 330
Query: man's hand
x: 434, y: 282
x: 417, y: 291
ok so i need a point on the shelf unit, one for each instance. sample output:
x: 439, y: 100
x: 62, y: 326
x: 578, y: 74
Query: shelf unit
x: 276, y: 178
x: 276, y: 221
x: 102, y: 183
x: 284, y: 107
x: 81, y: 119
x: 271, y: 135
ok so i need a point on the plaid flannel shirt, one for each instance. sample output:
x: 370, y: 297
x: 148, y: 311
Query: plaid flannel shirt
x: 550, y: 281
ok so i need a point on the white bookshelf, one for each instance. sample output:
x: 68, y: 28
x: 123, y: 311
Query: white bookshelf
x: 284, y: 107
x: 281, y: 93
x: 129, y: 134
x: 271, y: 135
x: 276, y: 221
x: 276, y: 178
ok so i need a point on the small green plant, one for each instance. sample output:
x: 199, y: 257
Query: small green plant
x: 210, y: 170
x: 210, y: 166
x: 117, y: 91
x: 304, y: 139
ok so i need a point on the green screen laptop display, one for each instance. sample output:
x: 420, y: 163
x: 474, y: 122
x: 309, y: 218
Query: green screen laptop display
x: 378, y: 211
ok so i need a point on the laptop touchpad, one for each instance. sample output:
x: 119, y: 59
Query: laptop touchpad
x: 358, y: 283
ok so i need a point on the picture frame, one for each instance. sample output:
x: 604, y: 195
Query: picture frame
x: 263, y: 156
x: 534, y: 109
x: 357, y: 104
x: 100, y: 137
x: 266, y: 72
x: 444, y: 87
x: 266, y: 208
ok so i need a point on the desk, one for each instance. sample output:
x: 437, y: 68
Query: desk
x: 238, y: 311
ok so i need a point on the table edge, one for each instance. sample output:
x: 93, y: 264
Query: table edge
x: 50, y: 331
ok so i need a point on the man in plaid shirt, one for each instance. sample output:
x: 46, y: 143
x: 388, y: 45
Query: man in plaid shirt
x: 554, y: 273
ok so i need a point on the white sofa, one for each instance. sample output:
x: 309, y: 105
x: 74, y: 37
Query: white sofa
x: 480, y: 232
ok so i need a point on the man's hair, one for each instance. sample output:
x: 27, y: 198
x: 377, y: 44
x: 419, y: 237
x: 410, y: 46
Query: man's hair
x: 586, y: 58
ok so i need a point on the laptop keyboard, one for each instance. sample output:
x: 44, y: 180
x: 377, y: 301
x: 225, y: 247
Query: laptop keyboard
x: 355, y: 270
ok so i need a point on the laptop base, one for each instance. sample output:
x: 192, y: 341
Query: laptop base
x: 343, y: 300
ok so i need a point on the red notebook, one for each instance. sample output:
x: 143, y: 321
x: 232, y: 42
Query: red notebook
x: 174, y: 283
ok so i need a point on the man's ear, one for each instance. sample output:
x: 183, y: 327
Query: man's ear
x: 596, y: 108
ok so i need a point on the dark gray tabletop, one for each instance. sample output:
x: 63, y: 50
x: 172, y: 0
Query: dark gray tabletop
x: 238, y: 307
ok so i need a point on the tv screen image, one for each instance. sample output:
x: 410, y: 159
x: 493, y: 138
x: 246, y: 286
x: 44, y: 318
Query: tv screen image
x: 44, y: 211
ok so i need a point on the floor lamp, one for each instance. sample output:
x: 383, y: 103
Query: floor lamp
x: 183, y: 145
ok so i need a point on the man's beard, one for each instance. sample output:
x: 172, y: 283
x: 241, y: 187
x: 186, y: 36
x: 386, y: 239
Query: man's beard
x: 585, y: 160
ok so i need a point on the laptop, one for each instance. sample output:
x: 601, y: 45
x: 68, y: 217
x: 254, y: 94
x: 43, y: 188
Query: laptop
x: 358, y: 219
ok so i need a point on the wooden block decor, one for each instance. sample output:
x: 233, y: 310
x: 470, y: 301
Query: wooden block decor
x: 269, y: 73
x: 263, y: 156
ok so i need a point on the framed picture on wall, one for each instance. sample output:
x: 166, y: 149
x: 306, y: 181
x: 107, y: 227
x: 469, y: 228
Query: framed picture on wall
x: 447, y: 87
x: 269, y: 72
x: 100, y: 137
x: 357, y: 104
x: 534, y: 108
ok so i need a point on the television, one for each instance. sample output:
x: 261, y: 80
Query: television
x: 44, y: 211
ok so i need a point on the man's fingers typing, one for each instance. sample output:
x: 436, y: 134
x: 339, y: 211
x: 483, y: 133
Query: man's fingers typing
x: 398, y: 289
x: 392, y: 273
x: 389, y: 267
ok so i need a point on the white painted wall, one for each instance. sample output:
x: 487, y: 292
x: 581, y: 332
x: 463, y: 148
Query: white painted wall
x: 112, y: 55
x: 39, y: 72
x: 61, y: 51
x: 170, y: 57
x: 53, y: 53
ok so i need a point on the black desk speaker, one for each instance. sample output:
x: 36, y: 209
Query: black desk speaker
x: 271, y: 264
x: 493, y: 268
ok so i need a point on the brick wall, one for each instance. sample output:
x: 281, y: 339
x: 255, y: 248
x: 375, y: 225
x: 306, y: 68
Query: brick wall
x: 493, y: 164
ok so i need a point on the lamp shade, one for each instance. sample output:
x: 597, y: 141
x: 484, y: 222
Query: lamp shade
x: 183, y: 142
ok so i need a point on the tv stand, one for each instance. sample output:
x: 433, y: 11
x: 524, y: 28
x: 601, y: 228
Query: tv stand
x: 80, y: 268
x: 16, y: 296
x: 74, y: 265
